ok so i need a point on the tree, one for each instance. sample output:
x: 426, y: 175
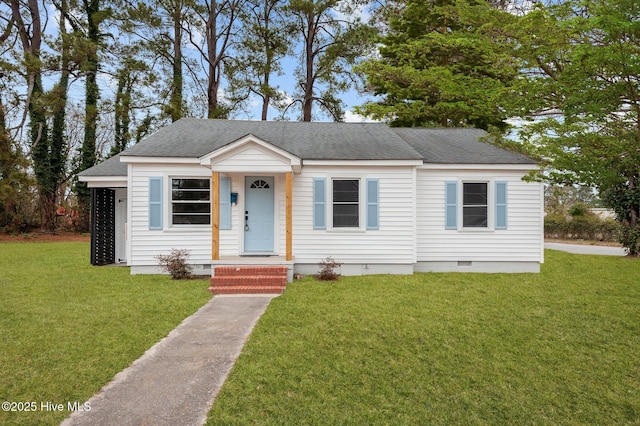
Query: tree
x: 58, y: 104
x: 218, y: 20
x: 331, y: 44
x: 442, y: 63
x: 558, y: 199
x: 263, y: 43
x: 30, y: 34
x: 158, y: 27
x: 95, y: 14
x: 131, y: 73
x: 583, y: 73
x: 14, y: 181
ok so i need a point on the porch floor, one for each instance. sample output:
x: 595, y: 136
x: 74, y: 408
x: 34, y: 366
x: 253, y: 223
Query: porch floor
x: 252, y: 260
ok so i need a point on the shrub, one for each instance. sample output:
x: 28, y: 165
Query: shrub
x: 587, y: 227
x: 327, y: 270
x: 630, y: 239
x: 555, y: 226
x: 579, y: 210
x: 175, y: 264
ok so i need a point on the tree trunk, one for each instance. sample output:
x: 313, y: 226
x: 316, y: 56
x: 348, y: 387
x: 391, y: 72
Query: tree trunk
x: 212, y: 52
x: 49, y: 199
x: 307, y: 101
x: 31, y: 38
x: 92, y: 93
x: 176, y: 79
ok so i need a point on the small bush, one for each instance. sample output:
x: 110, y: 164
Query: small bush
x: 578, y: 210
x: 630, y: 239
x: 327, y: 270
x: 175, y: 264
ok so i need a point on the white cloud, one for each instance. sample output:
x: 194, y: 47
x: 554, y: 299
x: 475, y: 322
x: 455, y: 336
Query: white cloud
x: 352, y: 117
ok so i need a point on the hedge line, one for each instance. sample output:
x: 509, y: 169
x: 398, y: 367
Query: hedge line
x: 581, y: 228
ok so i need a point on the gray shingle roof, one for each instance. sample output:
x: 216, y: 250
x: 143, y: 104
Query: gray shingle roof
x: 191, y: 137
x: 310, y: 141
x: 109, y: 167
x: 457, y: 146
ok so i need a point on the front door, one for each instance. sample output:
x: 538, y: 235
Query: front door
x: 259, y: 214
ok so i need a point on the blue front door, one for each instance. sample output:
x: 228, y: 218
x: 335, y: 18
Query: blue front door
x: 258, y: 214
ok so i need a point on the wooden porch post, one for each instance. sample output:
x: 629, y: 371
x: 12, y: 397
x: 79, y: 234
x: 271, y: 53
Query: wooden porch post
x: 215, y: 215
x: 289, y: 215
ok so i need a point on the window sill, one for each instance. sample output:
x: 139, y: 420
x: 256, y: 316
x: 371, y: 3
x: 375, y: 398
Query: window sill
x: 475, y: 230
x: 347, y: 231
x: 187, y: 228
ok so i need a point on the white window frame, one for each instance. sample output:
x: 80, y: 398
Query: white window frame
x: 171, y: 202
x: 361, y: 205
x: 488, y: 205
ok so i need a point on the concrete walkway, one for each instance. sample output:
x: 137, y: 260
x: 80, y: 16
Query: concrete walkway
x: 176, y: 381
x: 586, y: 249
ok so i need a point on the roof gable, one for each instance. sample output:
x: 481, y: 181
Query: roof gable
x: 263, y: 157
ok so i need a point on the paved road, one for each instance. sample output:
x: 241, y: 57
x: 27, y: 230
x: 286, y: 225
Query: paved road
x: 586, y: 249
x: 176, y: 381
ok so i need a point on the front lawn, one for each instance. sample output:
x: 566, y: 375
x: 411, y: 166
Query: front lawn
x: 66, y: 327
x: 559, y: 347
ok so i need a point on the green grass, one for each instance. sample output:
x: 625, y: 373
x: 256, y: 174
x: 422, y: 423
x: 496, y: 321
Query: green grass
x: 559, y: 347
x: 66, y: 327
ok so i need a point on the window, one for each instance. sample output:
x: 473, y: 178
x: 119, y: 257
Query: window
x: 259, y: 184
x: 190, y: 201
x: 474, y: 205
x: 346, y: 209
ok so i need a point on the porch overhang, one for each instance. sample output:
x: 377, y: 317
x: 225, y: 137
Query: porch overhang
x: 250, y: 154
x: 104, y: 181
x: 253, y: 154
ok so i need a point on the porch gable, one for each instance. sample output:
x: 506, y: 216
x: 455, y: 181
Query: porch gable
x: 251, y: 154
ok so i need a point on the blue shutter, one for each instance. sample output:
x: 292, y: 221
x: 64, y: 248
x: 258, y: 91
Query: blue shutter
x: 319, y: 203
x: 373, y: 203
x: 501, y: 205
x: 225, y: 203
x: 155, y: 203
x: 451, y: 205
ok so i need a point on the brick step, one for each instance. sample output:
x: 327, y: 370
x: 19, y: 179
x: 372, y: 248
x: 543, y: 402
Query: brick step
x: 249, y: 280
x: 219, y: 271
x: 247, y: 289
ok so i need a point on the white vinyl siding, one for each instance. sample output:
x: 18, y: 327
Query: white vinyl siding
x: 146, y: 244
x: 251, y: 158
x: 519, y: 242
x: 392, y: 242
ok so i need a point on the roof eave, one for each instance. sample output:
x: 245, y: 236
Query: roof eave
x: 481, y: 166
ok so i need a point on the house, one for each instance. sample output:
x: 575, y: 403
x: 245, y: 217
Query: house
x: 377, y: 199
